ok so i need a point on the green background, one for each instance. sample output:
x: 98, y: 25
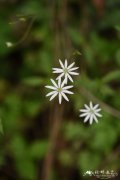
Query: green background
x: 42, y: 140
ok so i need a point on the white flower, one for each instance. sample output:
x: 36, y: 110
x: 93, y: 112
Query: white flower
x: 90, y: 113
x: 66, y: 71
x: 60, y: 90
x: 9, y: 44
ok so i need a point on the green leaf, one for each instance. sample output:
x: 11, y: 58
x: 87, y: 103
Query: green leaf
x: 31, y: 107
x: 45, y: 62
x: 26, y: 169
x: 104, y: 135
x: 1, y: 127
x: 88, y: 161
x: 38, y: 149
x: 106, y: 90
x: 118, y: 57
x: 33, y: 81
x: 74, y: 131
x: 65, y: 158
x: 117, y: 27
x: 111, y: 76
x: 18, y: 147
x: 76, y: 37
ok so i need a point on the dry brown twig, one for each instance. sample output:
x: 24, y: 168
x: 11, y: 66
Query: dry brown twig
x: 56, y: 124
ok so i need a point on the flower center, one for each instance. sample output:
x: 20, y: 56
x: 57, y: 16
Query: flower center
x: 91, y: 111
x: 65, y: 70
x: 59, y: 89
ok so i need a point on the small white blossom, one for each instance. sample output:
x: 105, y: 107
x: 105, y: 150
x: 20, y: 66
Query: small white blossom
x: 60, y: 90
x: 66, y: 71
x: 9, y: 44
x: 90, y: 113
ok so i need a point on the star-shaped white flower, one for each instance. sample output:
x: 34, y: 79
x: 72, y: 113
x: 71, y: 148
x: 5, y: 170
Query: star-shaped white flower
x: 60, y: 90
x: 90, y: 113
x: 66, y: 71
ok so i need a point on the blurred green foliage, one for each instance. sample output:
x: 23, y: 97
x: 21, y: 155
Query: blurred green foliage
x: 82, y: 31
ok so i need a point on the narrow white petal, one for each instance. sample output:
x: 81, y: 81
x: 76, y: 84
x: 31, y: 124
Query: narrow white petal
x: 51, y: 93
x: 73, y: 69
x: 87, y: 118
x: 65, y: 63
x: 66, y: 79
x: 84, y: 114
x: 57, y: 70
x: 59, y: 82
x: 91, y: 105
x: 67, y: 87
x: 97, y: 114
x: 60, y: 98
x: 94, y: 117
x: 65, y: 97
x: 61, y: 64
x: 73, y: 73
x: 87, y: 107
x: 53, y: 96
x: 60, y: 76
x: 63, y: 83
x: 68, y: 92
x: 97, y: 110
x: 96, y: 106
x: 84, y: 110
x: 70, y: 78
x: 91, y: 119
x: 54, y: 83
x: 71, y: 65
x: 51, y: 87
